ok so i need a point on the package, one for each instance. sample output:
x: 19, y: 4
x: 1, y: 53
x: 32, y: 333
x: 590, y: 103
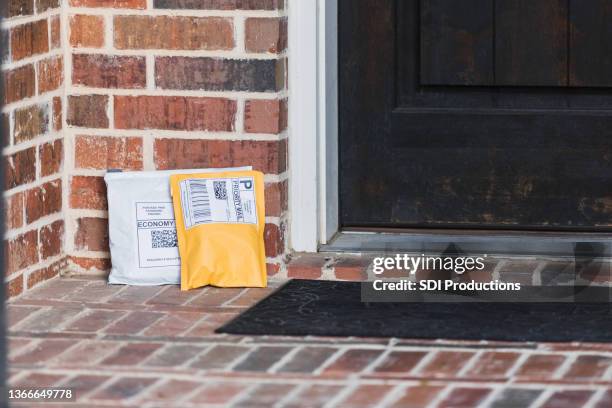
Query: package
x: 141, y: 227
x: 220, y: 220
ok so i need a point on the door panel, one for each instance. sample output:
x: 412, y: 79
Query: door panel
x: 591, y: 43
x: 476, y: 114
x: 495, y: 42
x: 456, y: 44
x: 530, y: 42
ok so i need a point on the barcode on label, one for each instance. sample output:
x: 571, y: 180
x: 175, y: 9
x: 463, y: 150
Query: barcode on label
x: 229, y: 200
x: 200, y: 202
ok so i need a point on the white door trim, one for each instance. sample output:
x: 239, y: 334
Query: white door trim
x: 313, y: 123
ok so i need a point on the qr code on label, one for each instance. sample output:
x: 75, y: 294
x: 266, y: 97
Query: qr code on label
x: 220, y: 190
x: 163, y: 239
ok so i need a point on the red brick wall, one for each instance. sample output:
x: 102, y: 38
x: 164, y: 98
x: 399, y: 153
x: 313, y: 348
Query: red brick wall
x: 135, y: 85
x: 33, y: 142
x: 171, y: 84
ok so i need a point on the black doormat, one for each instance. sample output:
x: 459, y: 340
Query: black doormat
x: 326, y: 308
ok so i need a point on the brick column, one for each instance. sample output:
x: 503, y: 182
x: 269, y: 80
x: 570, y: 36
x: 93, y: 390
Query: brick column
x: 32, y: 70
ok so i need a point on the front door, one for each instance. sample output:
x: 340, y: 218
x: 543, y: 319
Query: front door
x: 476, y: 113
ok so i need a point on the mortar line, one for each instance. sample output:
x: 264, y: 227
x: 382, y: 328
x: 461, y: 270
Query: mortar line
x: 342, y: 395
x: 285, y: 359
x: 393, y: 395
x: 564, y: 367
x: 597, y: 395
x: 470, y: 363
x: 543, y: 397
x: 291, y: 395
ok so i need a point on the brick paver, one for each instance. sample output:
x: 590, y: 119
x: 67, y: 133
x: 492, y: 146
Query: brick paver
x: 568, y: 399
x: 493, y: 364
x: 447, y: 363
x: 174, y: 355
x: 465, y: 397
x: 132, y: 354
x: 400, y: 361
x: 156, y: 347
x: 541, y: 366
x: 366, y: 395
x: 515, y: 397
x: 589, y: 367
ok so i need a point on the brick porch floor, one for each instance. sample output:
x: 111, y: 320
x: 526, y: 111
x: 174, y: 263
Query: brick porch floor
x: 155, y: 347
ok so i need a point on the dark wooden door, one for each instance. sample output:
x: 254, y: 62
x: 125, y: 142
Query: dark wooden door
x: 476, y: 113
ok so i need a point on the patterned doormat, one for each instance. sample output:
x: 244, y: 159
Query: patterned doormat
x: 329, y: 308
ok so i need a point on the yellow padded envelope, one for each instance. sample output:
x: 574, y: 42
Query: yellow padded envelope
x: 220, y: 220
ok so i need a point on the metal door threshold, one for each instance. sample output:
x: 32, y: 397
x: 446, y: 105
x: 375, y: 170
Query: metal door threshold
x: 473, y: 243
